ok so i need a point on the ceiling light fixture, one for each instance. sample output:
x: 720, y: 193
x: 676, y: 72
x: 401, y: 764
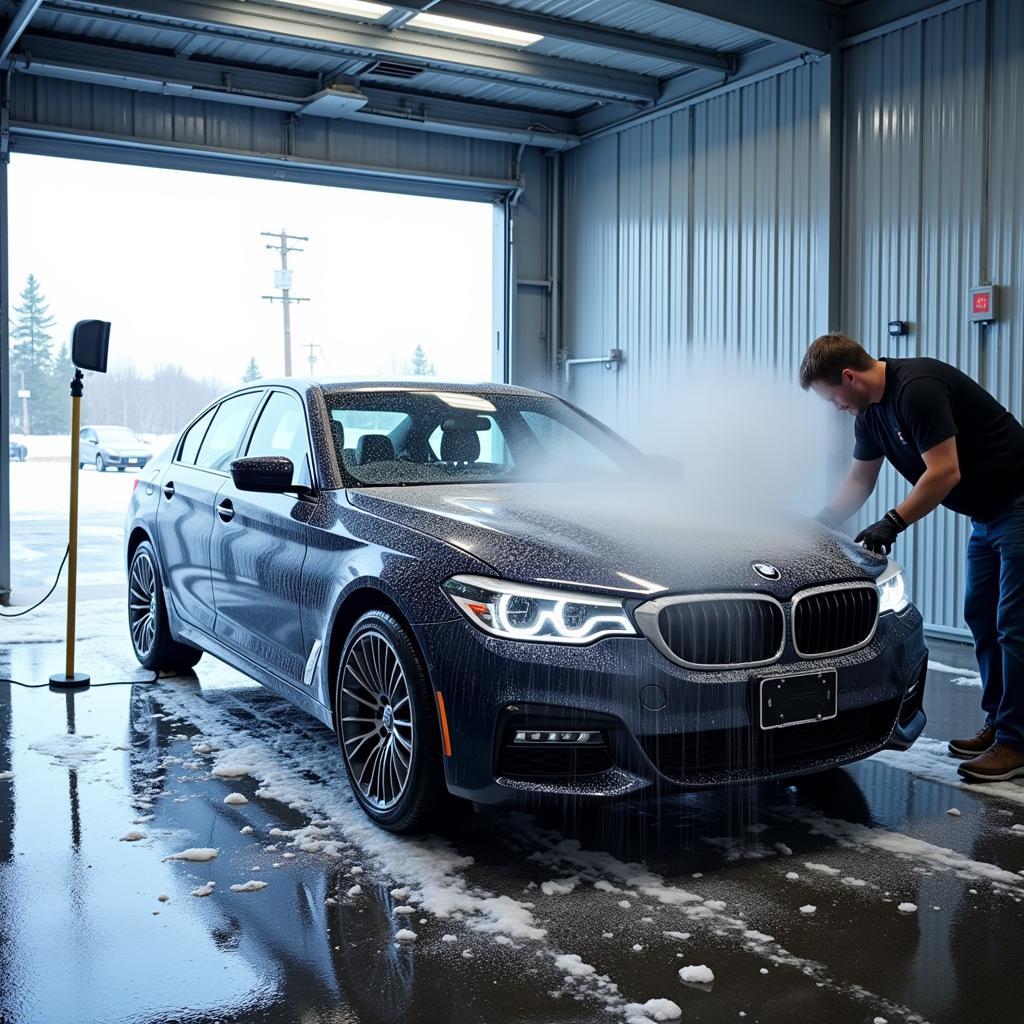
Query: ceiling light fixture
x: 353, y: 8
x: 472, y: 29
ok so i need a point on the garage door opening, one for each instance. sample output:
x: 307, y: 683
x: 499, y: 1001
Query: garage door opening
x: 188, y: 268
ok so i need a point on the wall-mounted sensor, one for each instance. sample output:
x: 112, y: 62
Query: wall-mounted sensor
x: 897, y: 328
x: 983, y: 304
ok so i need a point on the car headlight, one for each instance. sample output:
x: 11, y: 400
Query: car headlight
x: 516, y: 611
x: 892, y: 589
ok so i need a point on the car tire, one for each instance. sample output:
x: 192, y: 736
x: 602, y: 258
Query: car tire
x: 150, y: 633
x: 81, y: 465
x: 380, y: 661
x: 120, y: 469
x: 101, y: 464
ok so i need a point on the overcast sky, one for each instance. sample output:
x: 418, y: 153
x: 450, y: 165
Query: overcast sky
x: 175, y: 261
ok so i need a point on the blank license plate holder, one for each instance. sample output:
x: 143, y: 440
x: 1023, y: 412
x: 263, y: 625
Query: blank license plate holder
x: 798, y: 699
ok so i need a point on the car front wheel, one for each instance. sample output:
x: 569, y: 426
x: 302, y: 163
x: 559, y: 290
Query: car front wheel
x: 101, y: 465
x: 388, y: 728
x: 154, y: 646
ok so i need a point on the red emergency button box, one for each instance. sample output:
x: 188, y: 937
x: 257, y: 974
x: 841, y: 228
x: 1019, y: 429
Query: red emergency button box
x: 983, y: 304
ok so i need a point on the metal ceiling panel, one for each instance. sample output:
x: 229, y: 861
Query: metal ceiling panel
x: 645, y: 18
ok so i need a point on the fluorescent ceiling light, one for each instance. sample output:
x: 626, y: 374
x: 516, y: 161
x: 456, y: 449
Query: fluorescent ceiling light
x: 355, y: 8
x: 473, y: 29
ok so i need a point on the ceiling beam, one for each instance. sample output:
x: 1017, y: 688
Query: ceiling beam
x: 22, y: 16
x: 808, y: 24
x: 574, y: 31
x: 328, y: 33
x: 287, y: 92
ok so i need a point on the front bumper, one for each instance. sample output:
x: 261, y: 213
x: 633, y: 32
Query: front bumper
x: 663, y: 727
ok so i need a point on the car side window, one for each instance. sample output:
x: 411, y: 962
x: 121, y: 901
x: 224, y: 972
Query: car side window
x: 194, y: 437
x: 225, y: 431
x: 281, y: 430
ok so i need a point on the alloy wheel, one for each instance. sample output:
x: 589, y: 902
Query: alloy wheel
x: 142, y: 606
x: 376, y: 720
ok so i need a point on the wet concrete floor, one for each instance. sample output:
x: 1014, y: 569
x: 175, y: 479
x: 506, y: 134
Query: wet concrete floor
x: 97, y: 925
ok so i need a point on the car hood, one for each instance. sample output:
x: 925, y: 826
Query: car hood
x: 638, y: 540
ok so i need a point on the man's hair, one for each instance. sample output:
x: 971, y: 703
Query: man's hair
x: 828, y: 356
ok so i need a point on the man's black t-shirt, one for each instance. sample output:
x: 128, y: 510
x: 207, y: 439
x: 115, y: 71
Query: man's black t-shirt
x: 926, y: 402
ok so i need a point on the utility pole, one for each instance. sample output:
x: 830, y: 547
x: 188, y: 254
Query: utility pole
x: 312, y: 346
x: 283, y: 281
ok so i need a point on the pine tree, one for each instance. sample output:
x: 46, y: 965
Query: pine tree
x: 64, y: 370
x: 252, y: 372
x: 32, y: 361
x: 421, y: 366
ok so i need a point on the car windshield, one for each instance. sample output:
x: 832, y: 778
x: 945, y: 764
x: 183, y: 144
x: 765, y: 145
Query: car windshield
x: 121, y: 435
x: 404, y: 437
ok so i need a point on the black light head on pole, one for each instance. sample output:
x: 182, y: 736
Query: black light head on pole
x: 89, y: 343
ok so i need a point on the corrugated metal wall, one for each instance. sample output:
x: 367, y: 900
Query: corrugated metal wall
x: 708, y: 230
x: 922, y: 142
x: 702, y: 231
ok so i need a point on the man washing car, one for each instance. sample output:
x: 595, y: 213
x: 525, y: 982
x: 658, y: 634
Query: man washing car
x: 959, y: 448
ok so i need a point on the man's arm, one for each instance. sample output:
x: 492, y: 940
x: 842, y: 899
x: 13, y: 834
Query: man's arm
x: 854, y: 490
x: 941, y: 475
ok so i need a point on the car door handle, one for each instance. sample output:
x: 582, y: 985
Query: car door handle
x: 226, y: 510
x: 169, y: 490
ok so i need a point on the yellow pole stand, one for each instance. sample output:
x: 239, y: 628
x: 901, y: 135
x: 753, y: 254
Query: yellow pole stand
x: 70, y: 677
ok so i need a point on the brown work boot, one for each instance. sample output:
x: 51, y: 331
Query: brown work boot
x: 997, y: 764
x: 975, y: 745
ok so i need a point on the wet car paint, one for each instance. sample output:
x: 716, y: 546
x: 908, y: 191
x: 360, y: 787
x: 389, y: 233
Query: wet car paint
x: 86, y: 938
x: 273, y: 591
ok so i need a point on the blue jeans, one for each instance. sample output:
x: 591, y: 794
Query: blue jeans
x: 994, y: 610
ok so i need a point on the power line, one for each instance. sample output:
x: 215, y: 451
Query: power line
x: 283, y: 281
x: 311, y: 345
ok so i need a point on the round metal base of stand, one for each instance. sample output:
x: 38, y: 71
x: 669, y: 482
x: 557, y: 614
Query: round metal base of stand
x: 79, y: 681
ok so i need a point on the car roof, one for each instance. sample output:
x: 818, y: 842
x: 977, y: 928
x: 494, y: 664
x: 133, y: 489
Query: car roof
x: 402, y: 384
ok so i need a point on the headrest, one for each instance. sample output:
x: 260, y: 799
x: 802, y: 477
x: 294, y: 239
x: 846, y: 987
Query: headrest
x: 374, y: 448
x: 338, y: 433
x: 460, y: 446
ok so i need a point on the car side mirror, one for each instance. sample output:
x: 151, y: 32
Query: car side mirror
x: 271, y: 474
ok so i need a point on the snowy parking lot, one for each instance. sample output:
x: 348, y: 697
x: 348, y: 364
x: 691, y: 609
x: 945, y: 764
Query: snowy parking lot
x: 189, y: 849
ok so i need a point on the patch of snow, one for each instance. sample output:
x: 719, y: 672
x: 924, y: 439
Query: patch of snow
x: 236, y: 799
x: 625, y: 904
x: 907, y: 908
x: 195, y: 853
x: 604, y: 886
x: 756, y: 936
x: 784, y: 849
x: 954, y: 811
x: 133, y: 837
x: 246, y: 831
x: 808, y: 908
x: 5, y: 776
x: 653, y: 1009
x: 857, y: 883
x: 637, y: 948
x: 251, y: 886
x: 449, y: 938
x: 354, y: 891
x: 69, y: 751
x: 400, y: 894
x: 205, y: 890
x: 682, y: 936
x: 822, y: 869
x: 559, y: 887
x: 572, y: 964
x: 404, y: 935
x: 792, y: 876
x: 405, y: 910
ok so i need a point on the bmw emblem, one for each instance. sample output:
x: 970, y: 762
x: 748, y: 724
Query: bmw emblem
x: 766, y: 570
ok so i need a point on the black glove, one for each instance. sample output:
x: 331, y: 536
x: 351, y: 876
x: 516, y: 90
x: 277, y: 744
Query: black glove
x: 880, y: 536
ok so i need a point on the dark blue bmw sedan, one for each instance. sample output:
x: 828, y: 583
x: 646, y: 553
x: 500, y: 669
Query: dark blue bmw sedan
x: 488, y: 594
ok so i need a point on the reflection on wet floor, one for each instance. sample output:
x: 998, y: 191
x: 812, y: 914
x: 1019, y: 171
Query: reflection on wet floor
x: 789, y: 893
